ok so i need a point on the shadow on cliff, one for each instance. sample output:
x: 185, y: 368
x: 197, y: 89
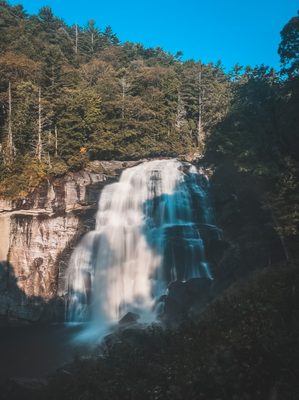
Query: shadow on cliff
x: 17, y: 307
x: 248, y: 225
x: 30, y: 346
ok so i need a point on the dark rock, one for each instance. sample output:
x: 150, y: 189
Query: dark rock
x: 129, y: 318
x: 198, y: 287
x: 215, y: 250
x: 185, y: 299
x: 22, y: 388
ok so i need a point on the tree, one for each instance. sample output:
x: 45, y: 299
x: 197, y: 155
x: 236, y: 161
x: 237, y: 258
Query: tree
x: 16, y: 67
x: 10, y: 148
x: 248, y: 133
x: 289, y: 47
x: 289, y: 56
x: 79, y: 120
x: 10, y: 143
x: 50, y: 26
x: 90, y: 42
x: 39, y: 145
x: 180, y: 121
x: 25, y: 115
x: 110, y: 38
x: 200, y: 134
x: 125, y: 86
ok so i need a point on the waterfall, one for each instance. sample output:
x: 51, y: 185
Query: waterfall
x: 149, y: 231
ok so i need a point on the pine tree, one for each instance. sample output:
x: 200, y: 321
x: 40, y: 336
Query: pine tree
x: 10, y: 149
x: 39, y: 144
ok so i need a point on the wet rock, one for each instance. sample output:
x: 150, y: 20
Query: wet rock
x: 198, y: 287
x: 184, y: 299
x: 129, y: 318
x: 215, y: 250
x: 22, y: 388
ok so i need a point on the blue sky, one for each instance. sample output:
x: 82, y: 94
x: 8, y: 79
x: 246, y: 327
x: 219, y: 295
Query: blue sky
x: 232, y: 31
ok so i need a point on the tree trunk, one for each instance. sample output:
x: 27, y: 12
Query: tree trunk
x: 280, y: 235
x: 124, y: 88
x: 76, y: 39
x: 39, y: 131
x: 180, y: 120
x: 49, y: 161
x: 200, y: 135
x: 10, y: 146
x: 56, y: 141
x: 92, y: 43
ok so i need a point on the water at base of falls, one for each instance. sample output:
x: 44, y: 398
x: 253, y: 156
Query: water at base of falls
x: 149, y: 232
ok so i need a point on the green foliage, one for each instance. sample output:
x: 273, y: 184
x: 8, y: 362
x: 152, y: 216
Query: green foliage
x: 58, y: 168
x: 256, y: 141
x: 289, y: 47
x: 249, y: 133
x: 78, y: 118
x: 22, y: 177
x: 116, y: 100
x: 24, y: 115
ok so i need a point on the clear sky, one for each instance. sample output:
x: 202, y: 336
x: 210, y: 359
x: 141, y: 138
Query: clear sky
x: 243, y: 31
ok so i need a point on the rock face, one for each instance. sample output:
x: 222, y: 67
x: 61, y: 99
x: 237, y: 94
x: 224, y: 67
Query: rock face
x: 37, y: 236
x: 129, y: 318
x: 184, y: 300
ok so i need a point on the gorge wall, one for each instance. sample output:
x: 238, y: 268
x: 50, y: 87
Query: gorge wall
x: 39, y: 233
x: 37, y: 236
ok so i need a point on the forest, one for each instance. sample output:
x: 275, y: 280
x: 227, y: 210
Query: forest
x: 71, y: 93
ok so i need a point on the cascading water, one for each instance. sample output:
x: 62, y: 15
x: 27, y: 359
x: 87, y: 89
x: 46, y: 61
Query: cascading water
x: 148, y: 233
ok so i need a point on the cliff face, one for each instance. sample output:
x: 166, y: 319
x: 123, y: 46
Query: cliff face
x: 37, y: 236
x: 39, y: 233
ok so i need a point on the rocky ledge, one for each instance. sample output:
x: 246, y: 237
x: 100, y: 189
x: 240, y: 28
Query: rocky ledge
x: 38, y: 234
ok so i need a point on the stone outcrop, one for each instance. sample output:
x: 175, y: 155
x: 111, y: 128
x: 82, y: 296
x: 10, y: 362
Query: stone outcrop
x: 38, y: 234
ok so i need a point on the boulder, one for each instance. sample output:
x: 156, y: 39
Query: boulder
x: 129, y: 318
x: 185, y: 298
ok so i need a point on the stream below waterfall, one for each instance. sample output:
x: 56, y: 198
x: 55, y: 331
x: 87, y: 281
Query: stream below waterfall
x: 34, y: 351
